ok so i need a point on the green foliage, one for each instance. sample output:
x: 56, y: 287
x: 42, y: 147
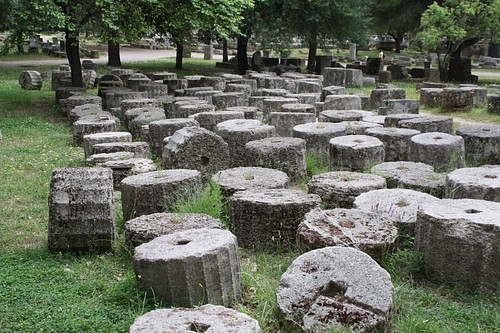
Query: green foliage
x: 316, y: 165
x: 209, y: 201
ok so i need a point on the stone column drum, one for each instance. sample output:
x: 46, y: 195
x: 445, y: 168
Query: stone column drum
x: 81, y: 211
x: 268, y: 219
x: 189, y: 268
x: 157, y: 191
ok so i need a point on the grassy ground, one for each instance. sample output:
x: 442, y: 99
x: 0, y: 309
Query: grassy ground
x: 42, y: 291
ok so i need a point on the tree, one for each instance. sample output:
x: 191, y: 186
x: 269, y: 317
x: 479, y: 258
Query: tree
x: 321, y: 21
x: 397, y: 17
x: 458, y: 25
x: 181, y: 18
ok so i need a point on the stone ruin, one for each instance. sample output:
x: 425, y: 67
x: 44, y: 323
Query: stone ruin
x: 251, y: 135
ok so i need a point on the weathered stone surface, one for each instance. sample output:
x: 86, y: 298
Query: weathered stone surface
x: 86, y: 110
x: 399, y: 106
x: 396, y: 141
x: 86, y: 126
x: 480, y: 94
x: 251, y: 112
x: 169, y: 266
x: 209, y: 120
x: 431, y: 97
x: 338, y: 189
x: 337, y: 116
x: 285, y: 154
x: 428, y: 124
x: 318, y: 136
x: 95, y: 159
x: 398, y: 205
x: 233, y: 180
x: 494, y: 104
x: 342, y: 102
x: 240, y: 131
x: 392, y: 120
x: 412, y: 175
x: 90, y: 140
x: 355, y: 152
x: 145, y: 228
x: 157, y: 191
x: 136, y: 103
x: 378, y: 96
x: 268, y: 218
x: 143, y: 117
x: 81, y: 211
x: 457, y: 100
x: 30, y: 80
x: 207, y: 318
x: 196, y: 148
x: 442, y: 151
x: 365, y: 231
x: 336, y: 287
x: 482, y: 143
x: 459, y: 241
x: 225, y: 100
x: 284, y: 122
x: 475, y: 183
x: 359, y: 127
x: 332, y: 90
x: 153, y: 89
x: 67, y: 104
x: 161, y: 129
x: 334, y: 76
x: 275, y: 104
x: 128, y: 167
x: 189, y: 109
x: 140, y: 149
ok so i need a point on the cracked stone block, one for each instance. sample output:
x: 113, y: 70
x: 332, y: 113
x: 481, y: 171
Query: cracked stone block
x: 412, y: 175
x: 359, y: 127
x: 457, y: 100
x: 196, y: 148
x: 442, y: 151
x: 378, y: 96
x: 128, y: 167
x: 154, y: 90
x: 90, y: 140
x: 459, y: 242
x: 140, y: 149
x: 392, y: 120
x: 399, y: 106
x: 318, y: 136
x: 431, y: 97
x: 356, y: 152
x: 280, y: 153
x: 342, y: 102
x: 161, y: 129
x: 250, y: 112
x: 233, y: 180
x: 207, y: 318
x: 268, y: 218
x: 428, y: 124
x: 209, y: 120
x: 398, y: 205
x: 157, y: 191
x: 146, y: 117
x: 284, y: 122
x: 135, y: 103
x: 238, y: 132
x: 336, y: 287
x: 365, y: 231
x: 81, y: 211
x: 482, y: 143
x: 145, y: 228
x: 87, y: 126
x: 228, y: 99
x: 475, y: 183
x: 337, y: 116
x: 68, y: 104
x: 169, y: 266
x: 275, y: 104
x: 332, y: 90
x: 338, y: 189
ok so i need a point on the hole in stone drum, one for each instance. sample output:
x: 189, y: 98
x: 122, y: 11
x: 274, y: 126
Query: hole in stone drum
x: 472, y: 211
x: 204, y: 160
x: 183, y: 242
x: 358, y: 141
x: 486, y: 130
x: 438, y: 137
x: 333, y: 289
x: 490, y: 176
x: 198, y: 327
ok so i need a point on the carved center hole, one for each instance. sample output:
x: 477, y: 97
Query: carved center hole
x: 472, y: 211
x: 205, y: 160
x: 198, y: 327
x: 438, y: 137
x: 183, y: 242
x: 490, y: 176
x: 358, y: 141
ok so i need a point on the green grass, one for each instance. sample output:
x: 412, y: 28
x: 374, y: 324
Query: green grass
x: 41, y: 291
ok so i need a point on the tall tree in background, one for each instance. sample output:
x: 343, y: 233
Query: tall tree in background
x: 181, y: 18
x: 459, y: 24
x: 397, y: 17
x: 320, y: 21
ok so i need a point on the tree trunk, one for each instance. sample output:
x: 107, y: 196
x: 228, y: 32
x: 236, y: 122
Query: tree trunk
x: 398, y: 40
x: 73, y: 54
x: 242, y: 55
x: 178, y: 55
x: 459, y: 69
x: 225, y: 56
x: 493, y: 50
x: 114, y: 54
x: 311, y: 57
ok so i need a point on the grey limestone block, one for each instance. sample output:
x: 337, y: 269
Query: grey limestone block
x: 431, y: 97
x: 135, y: 103
x: 154, y: 90
x: 228, y: 99
x: 356, y: 152
x: 81, y: 211
x: 90, y: 140
x: 140, y: 149
x: 136, y: 125
x: 161, y: 129
x: 210, y: 119
x: 428, y: 124
x: 399, y: 205
x: 87, y: 126
x: 318, y: 136
x: 106, y: 157
x: 268, y: 218
x: 399, y: 106
x: 67, y: 104
x: 336, y: 287
x: 207, y: 318
x: 396, y: 141
x: 337, y: 116
x: 85, y: 110
x: 359, y: 127
x: 192, y: 267
x: 457, y: 100
x: 128, y: 167
x: 338, y: 189
x: 196, y: 148
x: 30, y: 80
x: 275, y: 104
x: 412, y: 175
x: 366, y: 231
x: 475, y: 183
x: 281, y: 153
x: 332, y: 90
x: 459, y: 239
x: 157, y: 191
x: 482, y: 143
x: 233, y: 180
x: 393, y: 120
x: 442, y: 151
x: 284, y: 122
x: 378, y: 96
x: 342, y: 102
x: 145, y: 228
